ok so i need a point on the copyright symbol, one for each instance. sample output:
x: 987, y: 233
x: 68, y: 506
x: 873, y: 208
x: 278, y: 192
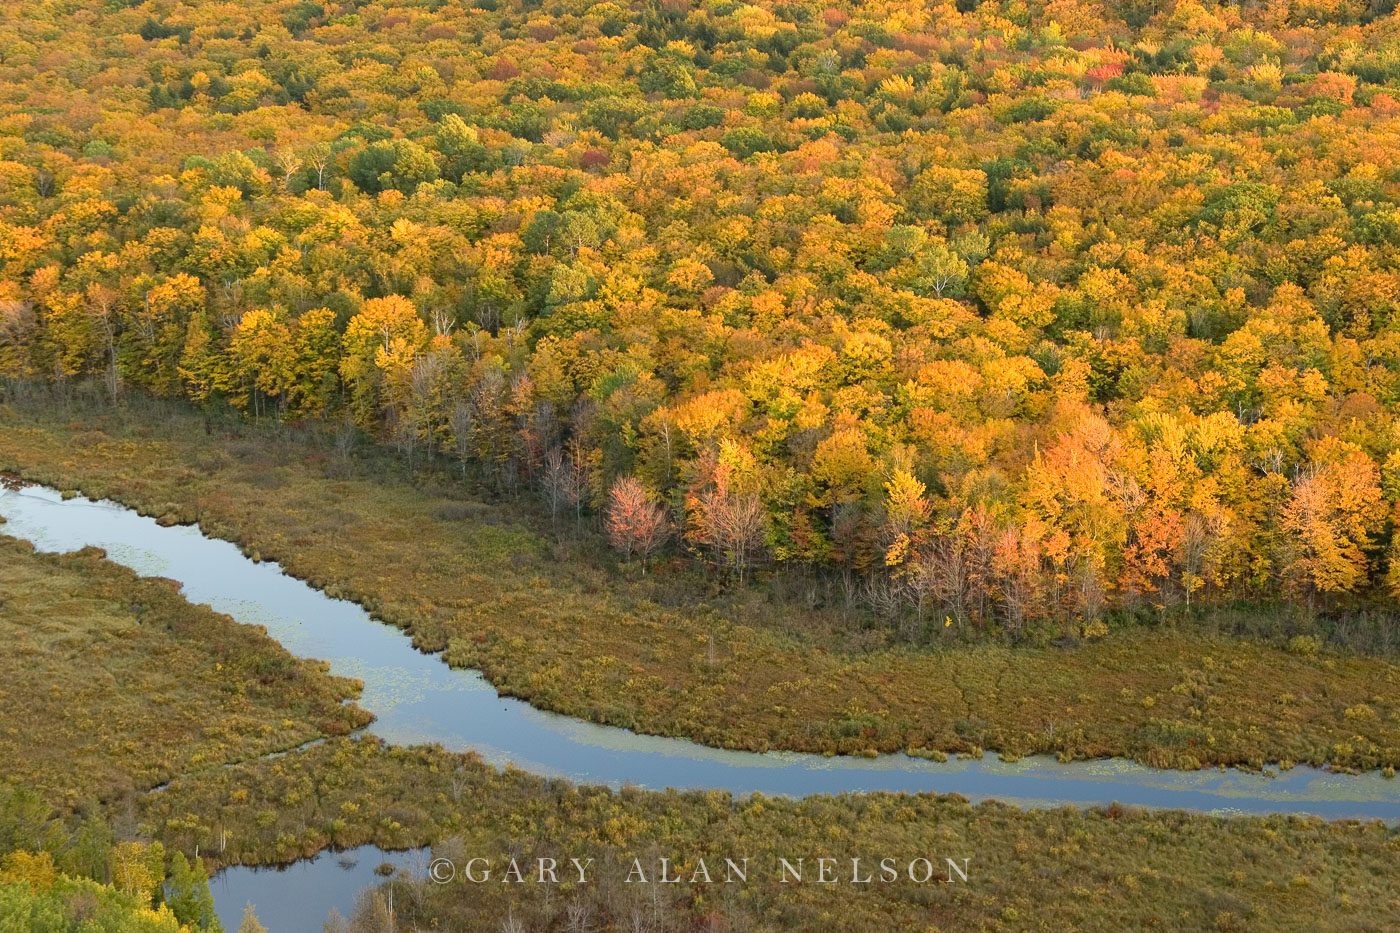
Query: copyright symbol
x: 441, y: 870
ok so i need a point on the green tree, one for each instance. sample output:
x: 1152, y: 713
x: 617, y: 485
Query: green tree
x: 188, y: 897
x: 392, y: 164
x: 462, y: 150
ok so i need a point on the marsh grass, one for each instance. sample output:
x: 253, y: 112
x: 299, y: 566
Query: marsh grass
x: 1105, y: 869
x: 115, y: 683
x: 112, y: 683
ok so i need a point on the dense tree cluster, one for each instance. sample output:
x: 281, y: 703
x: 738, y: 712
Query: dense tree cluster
x: 1006, y: 311
x: 69, y: 876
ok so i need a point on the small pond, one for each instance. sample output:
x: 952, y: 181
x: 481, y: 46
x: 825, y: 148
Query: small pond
x: 298, y: 898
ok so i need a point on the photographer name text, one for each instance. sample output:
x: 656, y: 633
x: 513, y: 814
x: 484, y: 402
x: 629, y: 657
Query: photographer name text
x: 805, y: 869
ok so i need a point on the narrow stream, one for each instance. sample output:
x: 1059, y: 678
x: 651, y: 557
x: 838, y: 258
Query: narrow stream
x: 417, y: 698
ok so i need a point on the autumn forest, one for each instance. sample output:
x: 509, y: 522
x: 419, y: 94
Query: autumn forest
x: 1017, y: 313
x: 1017, y: 323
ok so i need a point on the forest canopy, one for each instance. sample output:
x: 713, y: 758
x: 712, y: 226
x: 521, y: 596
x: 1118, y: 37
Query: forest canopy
x: 1017, y: 311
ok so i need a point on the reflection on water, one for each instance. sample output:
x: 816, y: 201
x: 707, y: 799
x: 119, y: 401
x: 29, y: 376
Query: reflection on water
x: 298, y: 898
x: 417, y: 698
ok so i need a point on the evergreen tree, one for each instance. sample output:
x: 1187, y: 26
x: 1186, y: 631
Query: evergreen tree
x: 188, y: 896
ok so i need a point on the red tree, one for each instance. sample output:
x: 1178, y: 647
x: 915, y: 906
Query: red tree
x: 635, y: 522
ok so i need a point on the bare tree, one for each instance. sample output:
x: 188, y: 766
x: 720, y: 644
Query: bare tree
x: 1017, y: 566
x: 732, y: 524
x: 461, y: 423
x: 374, y: 913
x: 554, y: 482
x: 404, y: 433
x: 443, y: 322
x: 342, y: 448
x: 578, y: 916
x: 939, y: 574
x: 1196, y: 539
x: 978, y: 544
x: 579, y: 477
x: 461, y: 780
x: 1091, y: 591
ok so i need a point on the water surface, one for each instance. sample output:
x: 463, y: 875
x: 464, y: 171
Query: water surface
x: 298, y: 898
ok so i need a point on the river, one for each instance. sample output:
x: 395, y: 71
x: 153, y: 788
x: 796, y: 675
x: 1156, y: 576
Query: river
x: 416, y: 698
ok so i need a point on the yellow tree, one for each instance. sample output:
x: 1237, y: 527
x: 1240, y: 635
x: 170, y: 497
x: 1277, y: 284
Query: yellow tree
x: 138, y: 869
x: 1078, y: 487
x: 316, y: 346
x: 202, y: 367
x: 263, y: 357
x: 1334, y: 510
x: 953, y: 195
x: 74, y: 341
x: 155, y: 332
x: 906, y: 511
x: 380, y: 345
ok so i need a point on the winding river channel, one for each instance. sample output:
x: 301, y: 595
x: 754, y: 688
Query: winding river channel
x: 417, y: 698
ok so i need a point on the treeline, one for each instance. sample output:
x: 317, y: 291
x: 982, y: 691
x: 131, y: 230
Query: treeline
x: 1000, y: 312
